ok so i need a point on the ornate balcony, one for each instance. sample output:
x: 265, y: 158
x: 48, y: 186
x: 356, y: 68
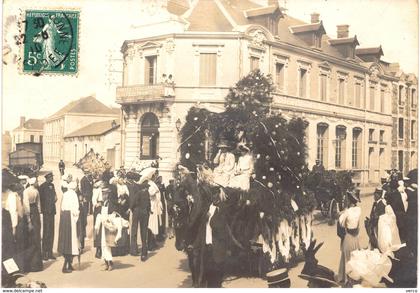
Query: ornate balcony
x: 137, y: 94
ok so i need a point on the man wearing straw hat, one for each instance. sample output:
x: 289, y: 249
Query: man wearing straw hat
x: 48, y: 198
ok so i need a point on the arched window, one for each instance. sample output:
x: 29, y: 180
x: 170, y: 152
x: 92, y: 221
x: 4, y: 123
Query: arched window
x: 340, y: 146
x: 149, y: 139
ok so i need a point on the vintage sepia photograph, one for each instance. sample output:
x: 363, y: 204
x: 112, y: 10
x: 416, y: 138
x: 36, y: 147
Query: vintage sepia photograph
x: 209, y: 144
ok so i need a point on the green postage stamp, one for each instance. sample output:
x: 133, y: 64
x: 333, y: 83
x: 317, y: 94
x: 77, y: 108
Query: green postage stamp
x: 51, y: 42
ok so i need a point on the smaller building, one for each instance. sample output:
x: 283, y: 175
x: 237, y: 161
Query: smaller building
x: 74, y: 116
x: 28, y: 131
x: 102, y: 137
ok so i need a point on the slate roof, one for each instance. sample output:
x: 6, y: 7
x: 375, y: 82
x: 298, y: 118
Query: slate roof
x: 95, y: 129
x: 206, y: 16
x: 87, y: 105
x: 32, y: 124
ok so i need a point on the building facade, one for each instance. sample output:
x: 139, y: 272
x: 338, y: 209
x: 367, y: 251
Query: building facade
x: 102, y: 137
x: 75, y: 115
x: 31, y: 130
x: 405, y: 122
x: 345, y: 93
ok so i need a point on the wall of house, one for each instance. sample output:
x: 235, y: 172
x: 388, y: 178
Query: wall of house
x: 24, y: 135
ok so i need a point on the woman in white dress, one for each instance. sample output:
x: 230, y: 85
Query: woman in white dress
x: 388, y: 235
x: 349, y: 221
x: 225, y: 162
x: 243, y: 169
x: 148, y: 175
x: 68, y: 244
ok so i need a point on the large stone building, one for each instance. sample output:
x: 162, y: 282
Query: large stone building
x: 345, y: 93
x: 405, y: 124
x: 102, y: 137
x: 75, y: 115
x: 30, y: 130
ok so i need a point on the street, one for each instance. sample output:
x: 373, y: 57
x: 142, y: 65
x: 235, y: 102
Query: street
x: 167, y: 267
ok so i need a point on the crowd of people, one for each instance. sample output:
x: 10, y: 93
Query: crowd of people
x: 120, y: 203
x: 392, y: 224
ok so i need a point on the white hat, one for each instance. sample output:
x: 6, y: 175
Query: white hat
x: 66, y: 177
x: 23, y: 177
x: 147, y: 174
x: 72, y: 185
x: 32, y: 180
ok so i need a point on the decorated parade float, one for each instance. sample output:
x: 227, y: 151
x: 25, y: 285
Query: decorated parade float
x: 269, y: 222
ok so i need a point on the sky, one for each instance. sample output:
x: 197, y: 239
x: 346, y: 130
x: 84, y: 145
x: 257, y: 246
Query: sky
x: 105, y: 24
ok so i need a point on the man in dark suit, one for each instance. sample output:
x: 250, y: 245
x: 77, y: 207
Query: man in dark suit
x: 85, y: 196
x: 48, y: 198
x: 378, y: 209
x: 412, y: 211
x: 86, y: 188
x: 140, y: 208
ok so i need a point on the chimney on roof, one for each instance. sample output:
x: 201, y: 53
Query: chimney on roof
x: 342, y: 31
x: 22, y: 121
x: 314, y: 17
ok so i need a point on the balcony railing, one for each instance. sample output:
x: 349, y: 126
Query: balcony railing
x: 141, y: 93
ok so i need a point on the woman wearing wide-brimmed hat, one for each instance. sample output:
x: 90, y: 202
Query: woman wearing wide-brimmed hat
x: 225, y: 162
x: 349, y: 222
x: 68, y: 243
x: 243, y: 169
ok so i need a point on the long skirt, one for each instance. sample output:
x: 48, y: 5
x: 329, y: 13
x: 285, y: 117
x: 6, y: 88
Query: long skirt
x: 67, y: 234
x: 96, y: 237
x: 123, y: 244
x: 349, y: 244
x: 33, y: 253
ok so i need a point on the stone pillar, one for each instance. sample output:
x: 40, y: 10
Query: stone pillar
x: 132, y: 137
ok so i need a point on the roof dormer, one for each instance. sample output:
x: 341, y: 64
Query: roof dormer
x: 372, y: 54
x: 345, y: 45
x: 310, y: 33
x: 267, y: 16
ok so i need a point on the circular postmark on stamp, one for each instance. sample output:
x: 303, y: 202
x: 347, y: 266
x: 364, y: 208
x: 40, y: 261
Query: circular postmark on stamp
x: 50, y: 42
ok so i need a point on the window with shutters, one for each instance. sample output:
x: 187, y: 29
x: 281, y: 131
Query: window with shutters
x: 400, y: 128
x: 358, y: 94
x: 302, y: 82
x: 400, y: 94
x: 371, y: 134
x: 150, y: 72
x: 280, y: 76
x: 322, y: 143
x: 255, y: 63
x: 340, y: 144
x: 381, y: 136
x: 372, y: 97
x: 323, y: 86
x: 208, y: 69
x: 413, y: 98
x: 341, y: 84
x: 382, y: 100
x: 400, y: 160
x: 356, y: 148
x: 413, y: 129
